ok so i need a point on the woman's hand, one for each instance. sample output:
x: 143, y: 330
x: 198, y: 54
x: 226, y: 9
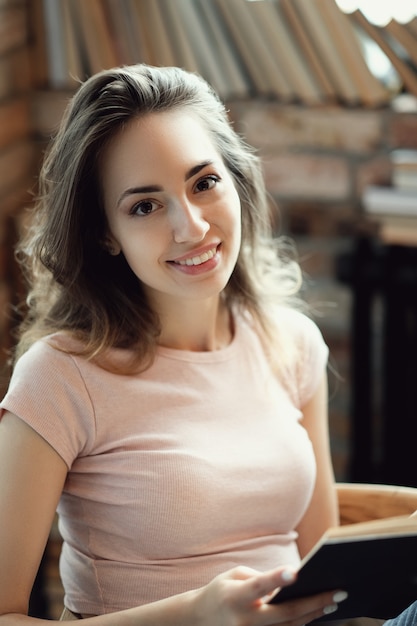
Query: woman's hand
x: 240, y: 597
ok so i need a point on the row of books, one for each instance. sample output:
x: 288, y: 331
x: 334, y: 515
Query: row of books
x: 309, y: 52
x: 394, y: 207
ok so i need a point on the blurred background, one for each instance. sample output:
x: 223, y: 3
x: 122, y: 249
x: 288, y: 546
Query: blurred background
x: 326, y: 90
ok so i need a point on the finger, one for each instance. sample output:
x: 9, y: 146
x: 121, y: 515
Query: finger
x: 265, y: 584
x: 304, y: 610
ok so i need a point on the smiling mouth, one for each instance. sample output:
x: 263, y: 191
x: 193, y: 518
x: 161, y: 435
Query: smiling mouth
x: 198, y: 260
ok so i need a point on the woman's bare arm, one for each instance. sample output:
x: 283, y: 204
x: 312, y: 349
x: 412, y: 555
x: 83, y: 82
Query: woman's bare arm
x: 323, y: 509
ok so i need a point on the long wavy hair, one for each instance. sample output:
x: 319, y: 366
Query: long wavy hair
x: 74, y: 284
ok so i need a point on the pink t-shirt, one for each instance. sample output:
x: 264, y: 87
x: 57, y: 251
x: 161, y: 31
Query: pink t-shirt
x: 195, y: 466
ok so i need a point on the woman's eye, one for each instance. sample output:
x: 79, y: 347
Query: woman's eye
x: 206, y: 183
x: 145, y: 207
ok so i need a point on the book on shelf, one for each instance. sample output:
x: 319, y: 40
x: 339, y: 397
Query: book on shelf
x: 404, y: 37
x: 142, y: 34
x: 293, y: 23
x: 404, y: 169
x: 97, y: 35
x: 397, y: 230
x: 380, y: 200
x: 39, y: 54
x: 123, y: 31
x: 76, y: 62
x: 159, y: 39
x: 221, y: 51
x: 374, y: 561
x: 250, y: 44
x: 411, y: 26
x: 291, y: 50
x: 195, y: 48
x: 284, y: 51
x: 183, y: 47
x: 370, y: 90
x: 55, y: 36
x: 327, y: 48
x: 408, y: 76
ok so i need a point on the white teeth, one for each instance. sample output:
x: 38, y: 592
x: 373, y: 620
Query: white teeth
x: 198, y: 260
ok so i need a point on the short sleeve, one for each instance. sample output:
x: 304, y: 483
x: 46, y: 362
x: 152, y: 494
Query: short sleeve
x: 47, y: 392
x: 314, y: 363
x: 307, y: 360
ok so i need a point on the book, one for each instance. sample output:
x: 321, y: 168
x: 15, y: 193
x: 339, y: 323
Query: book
x: 194, y: 47
x: 404, y: 169
x: 411, y: 26
x: 293, y: 22
x: 119, y: 21
x: 327, y: 50
x: 374, y: 561
x: 180, y: 34
x: 135, y: 12
x: 344, y: 38
x: 379, y: 200
x: 404, y: 37
x: 247, y: 39
x: 96, y: 35
x: 76, y: 68
x: 285, y: 53
x: 408, y: 77
x: 159, y: 39
x: 55, y: 36
x: 396, y: 230
x: 38, y: 51
x: 220, y: 49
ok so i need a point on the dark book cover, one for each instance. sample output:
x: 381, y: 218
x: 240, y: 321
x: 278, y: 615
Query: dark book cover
x: 379, y: 574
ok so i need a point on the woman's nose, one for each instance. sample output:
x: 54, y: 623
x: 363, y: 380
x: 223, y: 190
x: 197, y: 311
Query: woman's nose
x: 188, y: 222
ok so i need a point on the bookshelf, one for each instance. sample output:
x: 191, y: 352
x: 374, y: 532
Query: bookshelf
x: 310, y: 53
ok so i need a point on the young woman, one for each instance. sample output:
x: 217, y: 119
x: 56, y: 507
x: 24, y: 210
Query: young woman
x: 167, y: 395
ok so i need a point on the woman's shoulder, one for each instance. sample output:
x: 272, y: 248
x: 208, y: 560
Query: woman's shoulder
x: 296, y: 349
x: 295, y: 325
x: 298, y: 323
x: 51, y: 354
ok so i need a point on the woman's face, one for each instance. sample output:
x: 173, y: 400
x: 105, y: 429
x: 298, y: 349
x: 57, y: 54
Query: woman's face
x: 172, y: 207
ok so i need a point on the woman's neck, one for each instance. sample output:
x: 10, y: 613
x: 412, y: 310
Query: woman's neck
x: 196, y: 326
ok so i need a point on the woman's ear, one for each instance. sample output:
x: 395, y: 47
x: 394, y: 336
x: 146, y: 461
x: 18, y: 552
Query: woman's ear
x: 111, y: 246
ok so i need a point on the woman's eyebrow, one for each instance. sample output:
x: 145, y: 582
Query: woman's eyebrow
x: 132, y: 190
x: 197, y: 168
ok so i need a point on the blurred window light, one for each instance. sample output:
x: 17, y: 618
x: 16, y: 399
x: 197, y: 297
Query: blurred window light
x: 382, y: 11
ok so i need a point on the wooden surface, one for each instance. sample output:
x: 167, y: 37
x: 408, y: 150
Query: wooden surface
x: 361, y: 502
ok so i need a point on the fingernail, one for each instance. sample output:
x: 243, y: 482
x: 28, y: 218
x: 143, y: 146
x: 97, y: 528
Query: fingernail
x: 339, y: 596
x: 330, y: 608
x: 287, y: 575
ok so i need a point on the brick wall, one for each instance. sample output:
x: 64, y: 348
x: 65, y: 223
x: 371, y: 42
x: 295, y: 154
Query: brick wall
x: 17, y: 165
